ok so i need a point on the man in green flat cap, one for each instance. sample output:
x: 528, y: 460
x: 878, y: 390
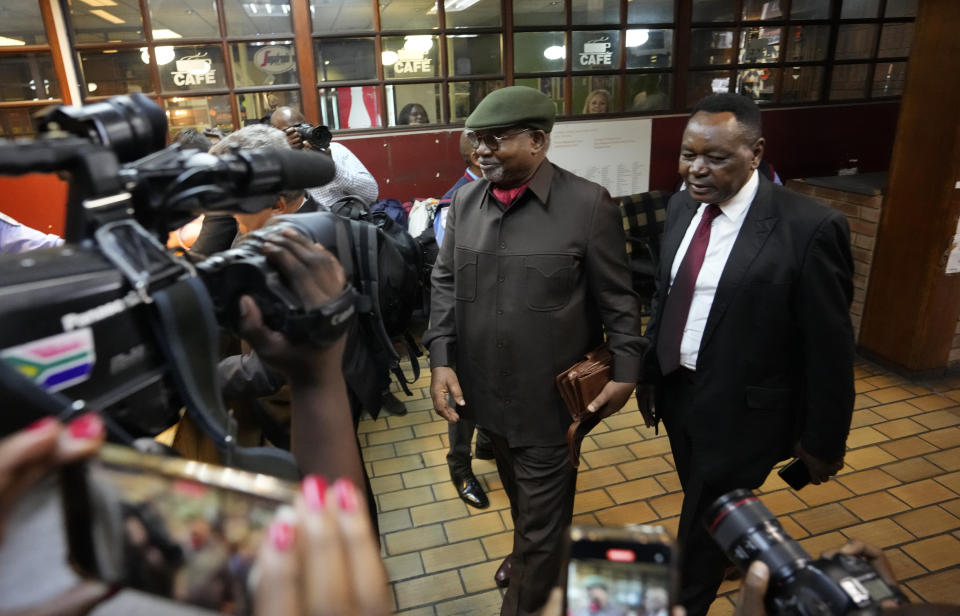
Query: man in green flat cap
x: 532, y: 271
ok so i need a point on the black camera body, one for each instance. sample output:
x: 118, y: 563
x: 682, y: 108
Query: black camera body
x: 843, y: 584
x: 317, y: 136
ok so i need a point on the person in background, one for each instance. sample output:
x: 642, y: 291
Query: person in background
x: 16, y: 237
x: 461, y: 432
x: 192, y: 139
x: 413, y: 113
x: 597, y: 101
x: 751, y: 358
x: 213, y: 133
x: 532, y: 270
x: 351, y: 178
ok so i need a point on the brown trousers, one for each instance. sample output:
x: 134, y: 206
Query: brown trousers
x: 540, y: 484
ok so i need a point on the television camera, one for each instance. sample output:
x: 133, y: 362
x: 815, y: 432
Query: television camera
x: 111, y: 321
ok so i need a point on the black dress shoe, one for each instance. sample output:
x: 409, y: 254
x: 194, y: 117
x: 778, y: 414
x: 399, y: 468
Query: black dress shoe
x: 469, y: 489
x: 502, y: 576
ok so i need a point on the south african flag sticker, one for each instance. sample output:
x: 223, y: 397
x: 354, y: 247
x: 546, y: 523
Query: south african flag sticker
x: 56, y: 362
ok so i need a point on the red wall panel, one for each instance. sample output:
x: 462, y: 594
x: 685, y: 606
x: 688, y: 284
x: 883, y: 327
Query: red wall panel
x: 37, y: 200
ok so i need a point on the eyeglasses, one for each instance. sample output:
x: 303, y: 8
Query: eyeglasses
x: 490, y: 140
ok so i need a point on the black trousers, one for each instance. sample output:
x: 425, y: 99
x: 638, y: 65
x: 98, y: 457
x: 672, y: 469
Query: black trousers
x: 540, y: 484
x: 461, y: 433
x: 702, y: 562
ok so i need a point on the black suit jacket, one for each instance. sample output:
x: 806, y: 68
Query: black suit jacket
x: 776, y: 358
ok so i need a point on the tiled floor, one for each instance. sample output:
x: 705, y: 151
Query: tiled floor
x: 900, y: 490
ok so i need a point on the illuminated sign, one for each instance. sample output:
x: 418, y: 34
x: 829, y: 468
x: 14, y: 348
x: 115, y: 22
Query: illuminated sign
x: 274, y: 59
x: 597, y: 52
x: 194, y: 70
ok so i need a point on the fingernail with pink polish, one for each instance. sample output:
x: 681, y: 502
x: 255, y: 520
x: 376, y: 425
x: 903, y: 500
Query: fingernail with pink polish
x: 347, y: 497
x: 86, y: 426
x: 41, y: 423
x: 314, y: 488
x: 281, y: 535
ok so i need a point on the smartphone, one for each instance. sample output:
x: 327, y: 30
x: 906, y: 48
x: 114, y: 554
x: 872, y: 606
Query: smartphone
x: 620, y: 570
x: 795, y: 473
x: 177, y: 528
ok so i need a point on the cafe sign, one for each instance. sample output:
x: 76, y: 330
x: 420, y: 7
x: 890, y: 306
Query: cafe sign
x: 194, y: 70
x: 274, y: 59
x: 597, y: 52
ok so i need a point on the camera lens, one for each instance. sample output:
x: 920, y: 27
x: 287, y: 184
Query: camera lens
x: 747, y: 531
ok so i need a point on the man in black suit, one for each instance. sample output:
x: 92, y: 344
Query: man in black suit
x: 752, y: 346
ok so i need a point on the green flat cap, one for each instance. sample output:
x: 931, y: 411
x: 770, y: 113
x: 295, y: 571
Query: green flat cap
x: 513, y: 106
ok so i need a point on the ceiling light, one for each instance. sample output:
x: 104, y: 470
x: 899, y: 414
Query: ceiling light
x: 100, y: 2
x: 91, y: 87
x: 555, y: 52
x: 165, y: 33
x: 420, y: 43
x: 109, y: 51
x: 453, y: 6
x: 107, y: 16
x: 637, y: 38
x: 164, y: 54
x: 389, y: 58
x: 9, y: 42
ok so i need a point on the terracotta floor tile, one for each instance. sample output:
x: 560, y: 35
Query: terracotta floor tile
x: 875, y: 505
x: 863, y: 482
x: 951, y: 480
x: 792, y: 528
x: 896, y: 410
x: 948, y: 460
x: 608, y: 456
x: 671, y: 525
x: 933, y: 402
x: 943, y: 587
x: 669, y: 481
x: 825, y: 518
x: 866, y: 435
x: 378, y: 452
x: 479, y: 577
x: 482, y: 604
x: 586, y: 519
x: 652, y: 447
x: 918, y: 390
x: 428, y: 589
x: 417, y: 445
x: 903, y: 566
x: 638, y: 489
x: 436, y: 427
x: 411, y: 419
x: 885, y: 380
x: 445, y: 490
x: 899, y: 428
x: 616, y: 437
x: 398, y: 519
x: 397, y: 465
x: 499, y: 545
x: 824, y: 493
x: 667, y: 505
x: 935, y: 420
x: 953, y: 394
x: 721, y: 606
x: 403, y: 566
x: 913, y: 469
x: 405, y: 498
x: 928, y: 521
x: 817, y: 545
x: 590, y: 501
x: 507, y: 518
x: 782, y: 501
x: 945, y: 438
x: 863, y: 401
x: 890, y: 394
x: 371, y: 425
x: 644, y: 468
x: 390, y: 483
x: 862, y: 386
x: 474, y: 526
x: 452, y: 555
x: 632, y: 513
x: 414, y: 539
x: 426, y: 476
x: 438, y: 512
x: 624, y: 420
x: 936, y: 552
x: 597, y: 478
x: 867, y: 457
x: 865, y: 417
x: 879, y: 533
x: 772, y: 483
x: 907, y: 447
x: 921, y: 493
x: 953, y: 507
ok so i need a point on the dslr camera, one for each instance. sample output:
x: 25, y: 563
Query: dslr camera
x: 317, y: 136
x: 799, y: 585
x: 112, y: 321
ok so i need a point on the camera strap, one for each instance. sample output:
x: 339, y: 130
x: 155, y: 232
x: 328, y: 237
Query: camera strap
x: 187, y: 332
x: 324, y: 325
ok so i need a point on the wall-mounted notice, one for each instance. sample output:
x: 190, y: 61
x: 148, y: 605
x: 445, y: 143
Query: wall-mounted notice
x: 612, y: 153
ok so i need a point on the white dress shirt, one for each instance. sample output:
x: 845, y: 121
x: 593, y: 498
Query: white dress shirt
x: 351, y: 178
x: 723, y: 234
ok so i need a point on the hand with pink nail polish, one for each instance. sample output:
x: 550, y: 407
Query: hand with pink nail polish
x: 331, y: 566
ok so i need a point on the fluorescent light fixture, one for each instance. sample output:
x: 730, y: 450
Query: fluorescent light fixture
x: 100, y: 2
x: 453, y: 6
x: 6, y: 41
x: 266, y: 9
x: 109, y: 51
x: 165, y: 33
x: 555, y: 52
x: 637, y: 38
x: 107, y: 16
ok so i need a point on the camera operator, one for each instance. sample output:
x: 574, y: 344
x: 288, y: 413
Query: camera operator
x: 352, y: 177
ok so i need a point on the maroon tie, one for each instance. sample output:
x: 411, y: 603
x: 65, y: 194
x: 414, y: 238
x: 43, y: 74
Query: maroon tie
x: 677, y: 305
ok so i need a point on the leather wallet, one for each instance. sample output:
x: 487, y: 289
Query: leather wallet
x: 579, y: 385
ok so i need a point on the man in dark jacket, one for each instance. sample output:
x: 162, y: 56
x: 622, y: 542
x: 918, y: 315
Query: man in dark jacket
x: 753, y: 344
x: 533, y: 267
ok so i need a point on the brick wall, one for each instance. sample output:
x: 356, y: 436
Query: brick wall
x: 863, y: 214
